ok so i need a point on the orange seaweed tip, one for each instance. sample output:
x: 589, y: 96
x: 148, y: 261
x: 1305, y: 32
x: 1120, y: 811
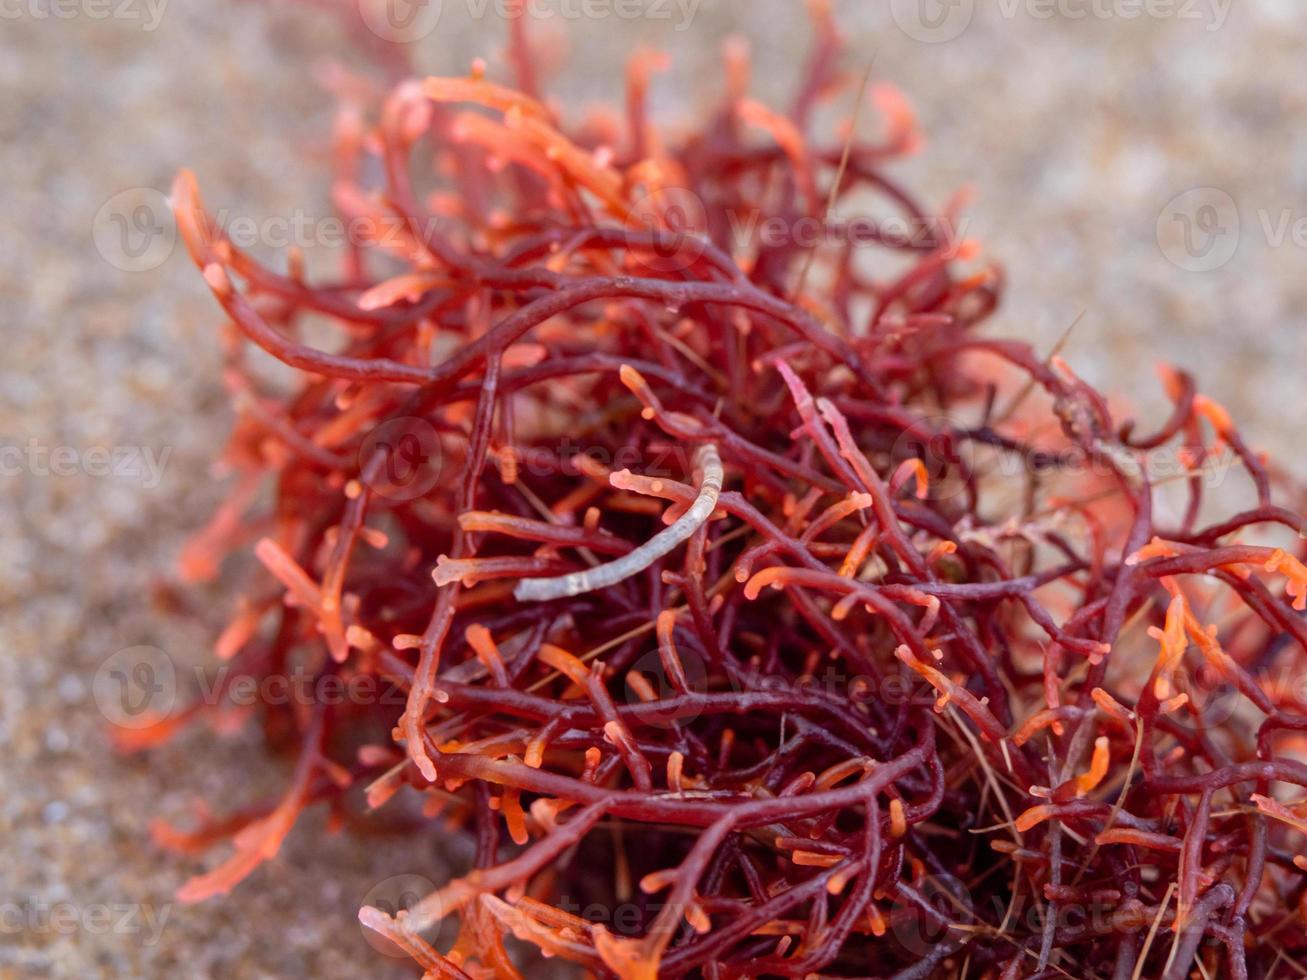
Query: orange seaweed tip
x: 1097, y: 767
x: 216, y: 276
x: 420, y: 759
x: 1172, y: 637
x: 876, y: 920
x: 698, y: 918
x: 645, y: 61
x: 1156, y: 548
x: 630, y: 376
x: 768, y: 576
x: 963, y: 196
x: 359, y: 637
x: 656, y: 881
x: 967, y: 249
x: 410, y: 286
x: 891, y: 100
x: 1295, y: 572
x: 515, y: 105
x: 736, y: 46
x: 448, y: 570
x: 1171, y: 379
x: 625, y: 957
x: 913, y: 143
x: 184, y: 187
x: 1190, y: 457
x: 898, y: 822
x: 1173, y: 704
x: 1033, y: 817
x: 912, y: 468
x: 1215, y: 413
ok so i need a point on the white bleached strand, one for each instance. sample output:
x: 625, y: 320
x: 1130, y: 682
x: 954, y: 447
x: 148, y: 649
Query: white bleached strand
x: 709, y: 463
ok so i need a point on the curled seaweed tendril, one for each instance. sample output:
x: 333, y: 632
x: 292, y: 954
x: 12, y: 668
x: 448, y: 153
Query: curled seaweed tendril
x: 619, y: 570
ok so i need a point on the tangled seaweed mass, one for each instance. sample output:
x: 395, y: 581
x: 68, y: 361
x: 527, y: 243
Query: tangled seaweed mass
x: 745, y: 585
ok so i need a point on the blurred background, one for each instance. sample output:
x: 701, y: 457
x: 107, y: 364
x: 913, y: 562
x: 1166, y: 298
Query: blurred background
x: 1139, y: 164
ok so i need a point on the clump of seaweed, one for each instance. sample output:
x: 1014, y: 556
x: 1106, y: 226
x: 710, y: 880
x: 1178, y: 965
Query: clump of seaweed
x: 743, y: 584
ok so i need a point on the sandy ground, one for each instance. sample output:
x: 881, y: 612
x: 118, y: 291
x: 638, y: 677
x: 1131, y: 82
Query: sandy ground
x: 1079, y: 131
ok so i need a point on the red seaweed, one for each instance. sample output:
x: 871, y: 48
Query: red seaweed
x: 931, y: 686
